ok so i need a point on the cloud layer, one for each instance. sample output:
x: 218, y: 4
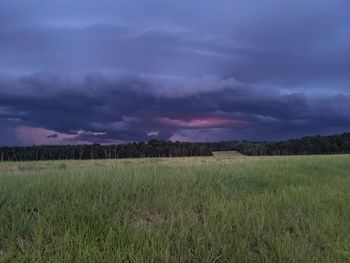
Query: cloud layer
x: 100, y: 108
x: 110, y: 71
x: 284, y: 43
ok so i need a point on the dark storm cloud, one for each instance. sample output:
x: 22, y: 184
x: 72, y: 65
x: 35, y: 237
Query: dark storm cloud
x: 99, y: 108
x: 279, y: 42
x: 279, y: 65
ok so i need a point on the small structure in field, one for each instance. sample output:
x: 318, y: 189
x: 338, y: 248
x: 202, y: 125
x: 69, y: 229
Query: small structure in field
x: 227, y: 154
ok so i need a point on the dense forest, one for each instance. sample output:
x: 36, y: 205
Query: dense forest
x: 154, y: 148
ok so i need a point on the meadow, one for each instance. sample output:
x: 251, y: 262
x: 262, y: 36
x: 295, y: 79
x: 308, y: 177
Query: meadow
x: 205, y: 209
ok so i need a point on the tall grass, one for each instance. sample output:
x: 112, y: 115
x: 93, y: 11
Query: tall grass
x: 276, y: 209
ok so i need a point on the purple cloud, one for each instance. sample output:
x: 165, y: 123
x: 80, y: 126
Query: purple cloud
x: 101, y: 108
x: 189, y: 70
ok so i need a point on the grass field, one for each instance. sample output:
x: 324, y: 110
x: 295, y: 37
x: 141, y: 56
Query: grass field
x: 240, y: 209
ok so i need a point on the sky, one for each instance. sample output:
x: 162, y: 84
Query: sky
x: 117, y: 71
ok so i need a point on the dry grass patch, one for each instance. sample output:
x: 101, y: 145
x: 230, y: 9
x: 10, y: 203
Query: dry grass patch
x: 149, y: 219
x: 227, y: 154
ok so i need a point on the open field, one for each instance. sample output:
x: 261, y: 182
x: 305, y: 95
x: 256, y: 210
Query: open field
x: 240, y: 209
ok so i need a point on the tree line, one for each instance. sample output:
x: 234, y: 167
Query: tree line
x: 334, y: 144
x: 154, y: 148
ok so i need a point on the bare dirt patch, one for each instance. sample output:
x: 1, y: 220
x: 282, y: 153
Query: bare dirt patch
x: 150, y: 219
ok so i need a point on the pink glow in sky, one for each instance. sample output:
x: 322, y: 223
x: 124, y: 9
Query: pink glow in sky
x: 200, y: 123
x: 42, y: 136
